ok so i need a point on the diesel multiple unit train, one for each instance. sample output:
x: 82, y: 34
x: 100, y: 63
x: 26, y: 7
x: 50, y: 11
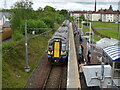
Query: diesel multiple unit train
x: 58, y: 45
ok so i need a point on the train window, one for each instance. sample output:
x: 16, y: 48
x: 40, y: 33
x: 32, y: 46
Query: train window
x: 63, y: 47
x: 50, y: 47
x: 50, y: 44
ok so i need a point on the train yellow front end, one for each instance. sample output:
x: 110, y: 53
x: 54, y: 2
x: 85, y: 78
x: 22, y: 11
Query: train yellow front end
x: 57, y: 52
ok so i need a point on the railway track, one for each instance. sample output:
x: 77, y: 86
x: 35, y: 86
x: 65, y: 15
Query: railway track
x: 56, y: 78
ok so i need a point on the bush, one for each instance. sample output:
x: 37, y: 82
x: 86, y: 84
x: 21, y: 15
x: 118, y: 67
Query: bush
x: 49, y: 22
x: 59, y: 18
x: 17, y: 36
x: 8, y: 45
x: 33, y: 24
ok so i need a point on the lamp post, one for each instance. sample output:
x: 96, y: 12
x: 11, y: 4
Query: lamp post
x: 119, y: 29
x: 77, y: 21
x: 91, y: 41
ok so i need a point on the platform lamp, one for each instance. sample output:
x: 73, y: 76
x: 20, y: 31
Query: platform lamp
x: 78, y: 21
x: 119, y: 27
x: 27, y: 68
x: 81, y: 20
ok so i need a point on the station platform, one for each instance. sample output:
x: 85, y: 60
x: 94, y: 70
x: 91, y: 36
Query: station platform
x: 73, y: 79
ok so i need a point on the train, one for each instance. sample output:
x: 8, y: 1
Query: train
x: 57, y: 51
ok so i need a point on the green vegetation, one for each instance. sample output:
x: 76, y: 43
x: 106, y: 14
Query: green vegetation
x: 86, y: 29
x: 112, y: 32
x: 22, y: 11
x: 13, y: 74
x: 49, y: 9
x: 103, y: 24
x: 17, y: 36
x: 13, y: 61
x: 82, y: 17
x: 96, y: 38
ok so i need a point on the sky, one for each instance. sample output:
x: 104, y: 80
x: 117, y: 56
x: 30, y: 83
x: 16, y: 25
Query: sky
x: 70, y: 5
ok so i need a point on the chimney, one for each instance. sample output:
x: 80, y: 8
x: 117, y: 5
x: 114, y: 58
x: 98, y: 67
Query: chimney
x: 95, y: 6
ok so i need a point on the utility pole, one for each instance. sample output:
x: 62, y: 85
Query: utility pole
x: 78, y: 21
x: 119, y: 26
x: 5, y: 5
x: 27, y: 68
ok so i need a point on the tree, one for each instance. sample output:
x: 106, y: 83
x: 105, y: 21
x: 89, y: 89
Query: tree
x: 40, y: 9
x: 82, y: 17
x: 49, y: 22
x: 31, y: 23
x: 64, y: 12
x: 49, y: 9
x: 21, y: 10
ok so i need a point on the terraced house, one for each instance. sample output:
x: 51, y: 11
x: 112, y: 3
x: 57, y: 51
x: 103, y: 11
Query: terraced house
x: 104, y: 15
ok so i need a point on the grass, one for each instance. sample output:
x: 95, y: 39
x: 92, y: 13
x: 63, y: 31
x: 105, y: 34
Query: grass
x: 85, y: 29
x: 113, y: 33
x: 96, y: 38
x: 103, y: 24
x: 13, y: 62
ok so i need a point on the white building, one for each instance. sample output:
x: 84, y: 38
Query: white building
x: 93, y: 16
x: 4, y: 16
x: 110, y: 17
x: 104, y: 15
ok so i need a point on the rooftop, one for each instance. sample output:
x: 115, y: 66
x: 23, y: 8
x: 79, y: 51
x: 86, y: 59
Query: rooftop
x: 7, y: 15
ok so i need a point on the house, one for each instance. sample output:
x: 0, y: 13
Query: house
x: 77, y: 13
x: 104, y: 15
x: 4, y: 16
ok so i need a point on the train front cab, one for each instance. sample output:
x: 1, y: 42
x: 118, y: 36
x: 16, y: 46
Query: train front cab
x: 57, y: 52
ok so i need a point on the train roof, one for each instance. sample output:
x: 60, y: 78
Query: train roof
x: 65, y: 23
x: 62, y: 32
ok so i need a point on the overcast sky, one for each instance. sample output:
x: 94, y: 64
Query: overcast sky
x: 68, y: 4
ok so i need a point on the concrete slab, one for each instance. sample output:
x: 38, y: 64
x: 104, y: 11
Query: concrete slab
x: 73, y: 74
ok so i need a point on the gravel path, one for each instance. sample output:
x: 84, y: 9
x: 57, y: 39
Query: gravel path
x: 105, y: 27
x: 54, y: 78
x: 57, y: 78
x: 38, y: 77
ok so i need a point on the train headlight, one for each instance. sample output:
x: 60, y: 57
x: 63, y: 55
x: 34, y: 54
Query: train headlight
x: 48, y: 52
x: 51, y: 53
x: 63, y: 53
